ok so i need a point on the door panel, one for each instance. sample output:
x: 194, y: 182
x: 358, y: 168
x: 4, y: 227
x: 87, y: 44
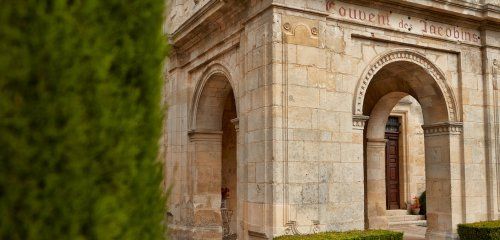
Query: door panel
x: 392, y: 169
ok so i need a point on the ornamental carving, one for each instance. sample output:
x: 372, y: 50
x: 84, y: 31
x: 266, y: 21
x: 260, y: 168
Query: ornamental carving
x: 359, y: 121
x: 300, y: 31
x: 409, y: 56
x: 291, y: 228
x: 443, y: 128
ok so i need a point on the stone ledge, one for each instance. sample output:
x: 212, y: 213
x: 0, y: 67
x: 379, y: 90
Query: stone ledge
x: 359, y: 121
x: 204, y: 135
x: 444, y: 128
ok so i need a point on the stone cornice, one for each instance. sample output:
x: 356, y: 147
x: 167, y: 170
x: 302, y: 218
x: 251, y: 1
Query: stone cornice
x: 444, y: 10
x: 453, y: 7
x: 204, y: 135
x: 480, y: 13
x: 445, y: 128
x: 196, y: 19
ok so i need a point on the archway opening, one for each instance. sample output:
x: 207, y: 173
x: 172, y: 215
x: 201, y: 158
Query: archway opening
x: 405, y: 159
x: 391, y: 84
x: 214, y: 138
x: 405, y: 169
x: 229, y: 170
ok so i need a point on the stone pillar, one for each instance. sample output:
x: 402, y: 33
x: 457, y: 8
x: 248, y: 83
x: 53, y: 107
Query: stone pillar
x: 206, y: 176
x: 241, y: 184
x: 375, y: 204
x: 375, y: 184
x: 443, y: 163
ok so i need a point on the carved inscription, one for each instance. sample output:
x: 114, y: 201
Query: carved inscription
x: 400, y: 22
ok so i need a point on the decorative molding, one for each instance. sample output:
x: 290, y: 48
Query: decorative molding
x: 359, y: 121
x: 376, y: 142
x: 300, y: 31
x: 287, y: 26
x: 291, y: 228
x: 227, y: 215
x: 257, y: 234
x: 315, y: 227
x: 385, y: 39
x: 445, y: 128
x: 236, y: 123
x: 233, y: 42
x: 495, y: 71
x: 409, y: 56
x: 314, y: 31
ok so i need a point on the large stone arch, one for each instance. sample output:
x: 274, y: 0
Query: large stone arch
x: 388, y: 79
x: 213, y: 124
x: 406, y: 55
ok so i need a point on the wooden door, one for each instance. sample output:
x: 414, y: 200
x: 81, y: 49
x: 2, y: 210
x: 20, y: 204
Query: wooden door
x: 392, y: 168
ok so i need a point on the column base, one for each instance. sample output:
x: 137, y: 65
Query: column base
x: 440, y: 235
x: 379, y: 222
x: 178, y: 232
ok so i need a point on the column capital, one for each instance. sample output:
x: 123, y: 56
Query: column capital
x: 443, y: 128
x: 204, y: 135
x: 376, y: 142
x: 358, y: 121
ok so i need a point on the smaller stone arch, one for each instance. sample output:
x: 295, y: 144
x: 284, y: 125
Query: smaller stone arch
x: 376, y: 127
x: 215, y: 75
x: 406, y: 55
x: 213, y: 139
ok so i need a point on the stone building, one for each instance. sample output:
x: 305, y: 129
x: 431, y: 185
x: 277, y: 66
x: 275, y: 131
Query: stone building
x: 281, y: 111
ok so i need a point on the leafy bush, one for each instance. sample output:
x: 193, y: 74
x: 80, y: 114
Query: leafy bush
x: 479, y: 230
x: 423, y: 204
x: 350, y: 235
x: 80, y: 119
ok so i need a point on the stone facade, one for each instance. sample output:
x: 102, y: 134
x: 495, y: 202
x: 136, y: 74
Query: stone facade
x: 287, y: 101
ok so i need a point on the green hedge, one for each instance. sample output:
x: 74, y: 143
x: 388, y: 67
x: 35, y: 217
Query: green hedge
x: 351, y: 235
x: 80, y: 119
x: 479, y: 230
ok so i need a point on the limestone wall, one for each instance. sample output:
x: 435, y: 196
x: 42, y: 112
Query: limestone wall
x: 298, y: 70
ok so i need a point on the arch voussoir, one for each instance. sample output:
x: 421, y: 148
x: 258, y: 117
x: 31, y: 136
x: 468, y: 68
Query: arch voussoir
x: 406, y: 55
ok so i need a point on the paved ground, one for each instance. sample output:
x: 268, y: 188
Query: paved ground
x: 411, y: 232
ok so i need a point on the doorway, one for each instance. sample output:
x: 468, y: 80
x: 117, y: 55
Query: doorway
x: 392, y: 163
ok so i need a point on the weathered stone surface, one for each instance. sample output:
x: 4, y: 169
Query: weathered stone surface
x: 284, y: 103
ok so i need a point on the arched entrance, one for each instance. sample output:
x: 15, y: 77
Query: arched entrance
x: 213, y: 153
x: 390, y: 78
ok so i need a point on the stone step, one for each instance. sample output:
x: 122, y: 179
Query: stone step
x: 402, y: 218
x: 422, y: 223
x: 397, y: 212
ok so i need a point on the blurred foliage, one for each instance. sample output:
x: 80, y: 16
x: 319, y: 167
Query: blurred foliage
x: 479, y: 230
x: 80, y: 119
